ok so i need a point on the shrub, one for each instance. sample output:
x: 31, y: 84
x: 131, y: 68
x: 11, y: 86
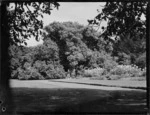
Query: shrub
x: 109, y: 64
x: 141, y: 61
x: 29, y: 74
x: 113, y: 77
x: 128, y: 71
x: 35, y: 75
x: 22, y: 74
x: 14, y: 74
x: 143, y: 73
x: 138, y: 78
x: 59, y: 73
x: 103, y: 60
x: 50, y: 71
x: 38, y: 72
x: 98, y: 78
x: 97, y: 72
x: 56, y: 73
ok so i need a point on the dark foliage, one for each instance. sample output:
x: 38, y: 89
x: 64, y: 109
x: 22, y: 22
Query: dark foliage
x: 122, y: 18
x: 125, y: 23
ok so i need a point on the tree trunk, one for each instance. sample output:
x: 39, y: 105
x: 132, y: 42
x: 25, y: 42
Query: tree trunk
x: 5, y: 90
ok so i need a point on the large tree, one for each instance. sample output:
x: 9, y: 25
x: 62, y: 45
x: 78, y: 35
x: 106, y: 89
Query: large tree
x: 17, y: 24
x: 122, y: 18
x: 127, y: 22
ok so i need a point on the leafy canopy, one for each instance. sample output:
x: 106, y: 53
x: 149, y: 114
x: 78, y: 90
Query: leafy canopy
x: 21, y: 20
x: 122, y: 18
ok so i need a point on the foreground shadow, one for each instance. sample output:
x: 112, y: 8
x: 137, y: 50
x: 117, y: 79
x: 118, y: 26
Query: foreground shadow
x: 34, y: 100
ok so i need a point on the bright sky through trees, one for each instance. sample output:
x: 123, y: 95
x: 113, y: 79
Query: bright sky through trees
x: 74, y: 11
x: 71, y: 11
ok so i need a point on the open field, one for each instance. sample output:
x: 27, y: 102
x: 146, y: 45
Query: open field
x: 110, y: 83
x: 80, y: 82
x: 46, y: 96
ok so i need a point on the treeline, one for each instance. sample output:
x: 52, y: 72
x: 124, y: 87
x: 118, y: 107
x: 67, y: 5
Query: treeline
x: 70, y: 48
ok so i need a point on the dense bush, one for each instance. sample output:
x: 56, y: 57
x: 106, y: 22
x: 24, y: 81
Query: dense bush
x: 141, y: 60
x: 97, y: 72
x: 40, y: 62
x: 126, y: 71
x: 43, y: 72
x: 131, y: 49
x: 118, y: 72
x: 102, y: 60
x: 56, y: 73
x: 29, y: 74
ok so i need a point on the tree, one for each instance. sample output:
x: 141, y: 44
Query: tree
x: 122, y: 18
x: 38, y: 62
x: 76, y: 44
x: 128, y: 49
x: 73, y: 52
x: 24, y: 19
x: 90, y: 37
x: 94, y: 41
x: 16, y: 26
x: 124, y: 21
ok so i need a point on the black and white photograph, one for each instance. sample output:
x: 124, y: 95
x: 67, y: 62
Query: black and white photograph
x: 74, y: 57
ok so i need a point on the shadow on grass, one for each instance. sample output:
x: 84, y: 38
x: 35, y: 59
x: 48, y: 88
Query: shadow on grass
x: 34, y: 100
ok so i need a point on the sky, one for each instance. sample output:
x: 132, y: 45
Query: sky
x: 71, y: 11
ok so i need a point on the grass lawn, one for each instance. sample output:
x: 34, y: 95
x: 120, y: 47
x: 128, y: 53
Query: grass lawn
x: 114, y: 83
x: 36, y: 100
x: 46, y: 96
